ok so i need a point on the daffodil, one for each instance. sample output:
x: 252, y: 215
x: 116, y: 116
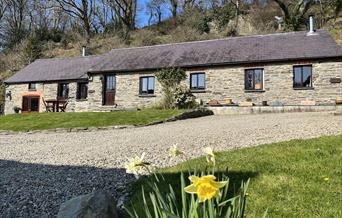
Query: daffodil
x: 174, y: 151
x: 205, y: 187
x: 135, y: 164
x: 326, y: 179
x: 210, y: 155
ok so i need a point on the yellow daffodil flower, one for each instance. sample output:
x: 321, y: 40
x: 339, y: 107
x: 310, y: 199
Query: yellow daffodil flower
x: 210, y: 155
x: 135, y: 164
x: 174, y: 151
x: 326, y: 179
x: 205, y: 187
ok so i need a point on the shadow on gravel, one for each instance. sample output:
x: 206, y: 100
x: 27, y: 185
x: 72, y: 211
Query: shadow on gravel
x: 37, y: 190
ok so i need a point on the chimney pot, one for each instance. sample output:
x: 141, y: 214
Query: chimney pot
x: 83, y: 51
x: 312, y: 25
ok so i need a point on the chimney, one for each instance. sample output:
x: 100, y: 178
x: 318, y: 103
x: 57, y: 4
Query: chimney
x: 312, y: 25
x: 83, y: 51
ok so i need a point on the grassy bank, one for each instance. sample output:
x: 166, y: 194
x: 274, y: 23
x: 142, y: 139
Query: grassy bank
x: 41, y: 121
x: 298, y: 178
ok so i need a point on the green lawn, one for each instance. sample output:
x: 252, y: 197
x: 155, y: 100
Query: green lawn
x: 287, y: 177
x: 41, y: 121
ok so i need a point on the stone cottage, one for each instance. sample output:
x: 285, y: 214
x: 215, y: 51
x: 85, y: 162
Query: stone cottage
x: 284, y: 67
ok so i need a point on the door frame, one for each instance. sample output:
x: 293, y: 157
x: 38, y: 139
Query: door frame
x: 104, y: 89
x: 29, y: 106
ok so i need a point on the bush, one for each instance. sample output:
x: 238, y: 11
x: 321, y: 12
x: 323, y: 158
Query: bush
x: 170, y: 79
x: 223, y: 15
x: 145, y: 37
x: 32, y: 50
x: 184, y: 99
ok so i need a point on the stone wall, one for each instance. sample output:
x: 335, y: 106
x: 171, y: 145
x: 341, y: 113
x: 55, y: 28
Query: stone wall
x: 221, y: 83
x: 127, y: 92
x: 43, y: 90
x: 228, y: 82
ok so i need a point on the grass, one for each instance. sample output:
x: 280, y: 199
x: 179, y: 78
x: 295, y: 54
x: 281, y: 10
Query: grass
x: 288, y: 178
x: 42, y: 121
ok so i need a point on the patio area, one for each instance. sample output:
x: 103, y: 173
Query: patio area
x: 231, y: 110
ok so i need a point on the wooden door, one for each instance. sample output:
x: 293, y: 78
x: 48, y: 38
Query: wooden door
x: 109, y: 90
x: 30, y: 104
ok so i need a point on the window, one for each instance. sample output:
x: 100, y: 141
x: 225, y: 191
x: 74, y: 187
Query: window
x: 147, y: 85
x: 254, y: 79
x: 82, y: 91
x: 32, y: 86
x: 197, y: 81
x: 302, y: 76
x: 63, y: 90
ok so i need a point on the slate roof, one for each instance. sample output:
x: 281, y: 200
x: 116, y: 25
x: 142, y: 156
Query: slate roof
x: 55, y: 69
x: 235, y: 50
x: 262, y: 48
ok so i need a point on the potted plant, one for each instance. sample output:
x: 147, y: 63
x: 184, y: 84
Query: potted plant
x: 16, y: 109
x: 247, y: 103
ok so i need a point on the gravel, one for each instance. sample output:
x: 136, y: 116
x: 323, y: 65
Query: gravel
x: 40, y: 171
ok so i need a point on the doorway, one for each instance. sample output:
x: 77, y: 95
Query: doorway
x: 109, y: 90
x: 30, y: 104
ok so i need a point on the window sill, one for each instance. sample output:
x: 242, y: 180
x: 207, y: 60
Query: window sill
x: 304, y: 88
x: 147, y: 96
x: 197, y: 91
x: 32, y: 90
x: 81, y: 100
x: 246, y: 91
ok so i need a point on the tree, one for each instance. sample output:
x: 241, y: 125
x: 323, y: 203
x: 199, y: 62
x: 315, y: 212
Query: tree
x: 154, y: 10
x: 103, y: 13
x: 3, y: 7
x: 15, y: 17
x: 169, y: 79
x: 329, y: 10
x: 174, y: 8
x: 294, y: 12
x: 32, y: 50
x: 126, y: 12
x: 81, y: 9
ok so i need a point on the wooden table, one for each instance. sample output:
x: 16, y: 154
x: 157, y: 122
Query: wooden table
x: 55, y: 104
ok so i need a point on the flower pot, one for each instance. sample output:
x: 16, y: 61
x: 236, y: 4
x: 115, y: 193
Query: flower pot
x: 229, y: 101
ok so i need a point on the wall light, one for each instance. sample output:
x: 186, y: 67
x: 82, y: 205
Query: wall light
x: 9, y: 95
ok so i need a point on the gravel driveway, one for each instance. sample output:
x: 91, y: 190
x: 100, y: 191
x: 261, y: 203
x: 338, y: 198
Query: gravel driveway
x: 40, y: 171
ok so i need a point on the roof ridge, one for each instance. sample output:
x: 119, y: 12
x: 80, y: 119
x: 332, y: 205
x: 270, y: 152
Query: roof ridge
x: 65, y: 58
x: 211, y: 40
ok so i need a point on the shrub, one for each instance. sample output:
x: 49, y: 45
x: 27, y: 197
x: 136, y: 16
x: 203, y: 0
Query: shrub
x: 170, y: 79
x: 184, y: 99
x: 32, y: 50
x: 145, y: 37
